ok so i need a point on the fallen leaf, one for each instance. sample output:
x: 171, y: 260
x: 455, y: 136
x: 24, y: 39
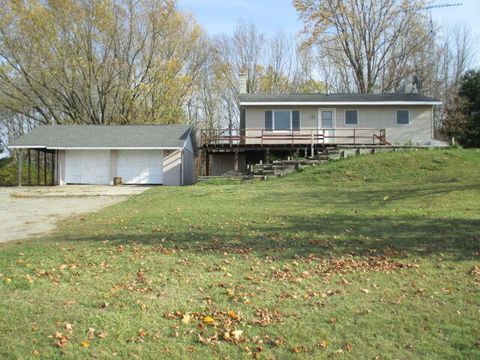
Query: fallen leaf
x: 233, y: 315
x: 68, y: 327
x: 62, y: 339
x: 208, y: 320
x: 237, y: 334
x: 85, y: 344
x: 186, y: 319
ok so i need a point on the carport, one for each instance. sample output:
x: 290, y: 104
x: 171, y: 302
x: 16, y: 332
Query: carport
x: 100, y: 155
x: 44, y: 161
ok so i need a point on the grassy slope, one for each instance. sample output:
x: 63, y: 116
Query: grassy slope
x: 276, y: 245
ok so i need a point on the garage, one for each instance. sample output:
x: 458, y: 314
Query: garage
x: 87, y: 166
x: 100, y: 154
x: 140, y: 167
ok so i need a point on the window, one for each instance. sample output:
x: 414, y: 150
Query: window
x: 269, y: 120
x: 282, y: 120
x: 327, y: 119
x: 351, y: 117
x: 403, y: 117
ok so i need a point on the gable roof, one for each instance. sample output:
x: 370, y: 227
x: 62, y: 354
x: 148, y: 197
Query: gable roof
x: 105, y: 137
x: 337, y: 99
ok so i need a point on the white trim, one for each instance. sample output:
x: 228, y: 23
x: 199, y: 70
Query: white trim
x: 345, y: 117
x: 92, y: 148
x: 339, y: 103
x: 334, y: 118
x: 327, y: 131
x: 396, y: 117
x: 26, y: 147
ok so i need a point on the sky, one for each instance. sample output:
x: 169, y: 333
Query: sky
x: 271, y: 16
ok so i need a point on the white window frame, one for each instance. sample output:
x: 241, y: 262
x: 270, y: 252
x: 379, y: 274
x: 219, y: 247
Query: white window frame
x: 396, y: 117
x: 291, y: 120
x: 345, y: 117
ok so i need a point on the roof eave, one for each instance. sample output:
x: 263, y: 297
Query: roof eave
x: 340, y: 103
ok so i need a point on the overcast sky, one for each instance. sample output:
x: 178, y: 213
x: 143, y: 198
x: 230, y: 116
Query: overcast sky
x: 270, y: 16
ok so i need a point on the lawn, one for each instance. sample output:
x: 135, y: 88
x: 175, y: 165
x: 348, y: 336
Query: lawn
x: 371, y: 257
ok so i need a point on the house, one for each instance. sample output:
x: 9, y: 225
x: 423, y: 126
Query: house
x: 96, y: 154
x: 282, y: 125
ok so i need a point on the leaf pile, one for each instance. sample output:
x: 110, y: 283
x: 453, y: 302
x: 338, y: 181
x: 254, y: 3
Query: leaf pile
x: 475, y: 271
x: 227, y: 326
x: 377, y: 263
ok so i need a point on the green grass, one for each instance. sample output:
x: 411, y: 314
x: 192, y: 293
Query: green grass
x: 370, y: 257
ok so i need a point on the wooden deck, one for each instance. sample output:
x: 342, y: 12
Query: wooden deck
x: 211, y: 139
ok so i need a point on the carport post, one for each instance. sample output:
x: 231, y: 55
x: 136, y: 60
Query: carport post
x: 29, y: 167
x: 38, y: 167
x: 45, y: 168
x: 53, y: 168
x: 20, y: 153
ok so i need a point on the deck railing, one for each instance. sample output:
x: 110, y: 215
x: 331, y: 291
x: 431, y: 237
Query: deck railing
x: 306, y: 136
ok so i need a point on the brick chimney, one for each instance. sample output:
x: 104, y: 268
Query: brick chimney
x: 242, y: 83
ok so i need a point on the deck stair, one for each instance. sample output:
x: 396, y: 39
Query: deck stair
x: 281, y: 167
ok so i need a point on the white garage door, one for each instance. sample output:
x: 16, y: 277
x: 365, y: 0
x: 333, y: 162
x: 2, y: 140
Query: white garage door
x: 140, y: 166
x: 87, y: 166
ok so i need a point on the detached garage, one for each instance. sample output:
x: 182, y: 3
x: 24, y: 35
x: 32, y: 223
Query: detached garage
x: 96, y: 154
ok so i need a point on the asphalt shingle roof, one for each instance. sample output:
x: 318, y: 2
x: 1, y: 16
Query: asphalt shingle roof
x: 335, y: 98
x: 105, y: 136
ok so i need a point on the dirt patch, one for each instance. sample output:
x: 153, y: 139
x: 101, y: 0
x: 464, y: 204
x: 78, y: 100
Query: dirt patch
x: 34, y: 211
x: 75, y: 191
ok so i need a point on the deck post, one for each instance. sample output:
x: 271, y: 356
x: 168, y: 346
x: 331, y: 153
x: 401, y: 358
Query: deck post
x: 312, y: 147
x: 29, y: 167
x: 207, y: 163
x: 20, y: 153
x: 267, y: 155
x: 235, y: 163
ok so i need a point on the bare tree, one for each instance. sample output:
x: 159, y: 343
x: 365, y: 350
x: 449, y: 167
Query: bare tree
x: 366, y: 40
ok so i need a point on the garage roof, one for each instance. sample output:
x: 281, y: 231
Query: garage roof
x: 337, y: 99
x: 106, y: 137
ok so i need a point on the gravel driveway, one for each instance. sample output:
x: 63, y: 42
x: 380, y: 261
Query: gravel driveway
x: 31, y: 211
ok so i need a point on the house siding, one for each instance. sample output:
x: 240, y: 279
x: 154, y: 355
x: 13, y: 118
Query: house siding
x: 172, y: 167
x: 113, y: 165
x: 418, y: 132
x: 188, y: 168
